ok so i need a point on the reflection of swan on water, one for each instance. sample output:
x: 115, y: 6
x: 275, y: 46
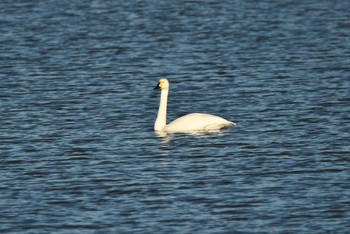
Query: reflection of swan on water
x: 187, y: 123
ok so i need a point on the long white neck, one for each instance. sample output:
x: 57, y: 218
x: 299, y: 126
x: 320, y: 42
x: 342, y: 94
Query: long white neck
x: 160, y: 123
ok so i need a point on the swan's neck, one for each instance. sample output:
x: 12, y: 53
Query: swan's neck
x: 161, y: 117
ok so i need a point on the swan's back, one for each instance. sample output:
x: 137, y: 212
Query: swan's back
x: 198, y: 122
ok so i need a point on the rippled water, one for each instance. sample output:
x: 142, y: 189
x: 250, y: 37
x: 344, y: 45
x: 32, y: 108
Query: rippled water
x: 78, y: 150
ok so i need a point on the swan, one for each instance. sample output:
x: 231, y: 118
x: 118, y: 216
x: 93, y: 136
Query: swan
x: 187, y: 123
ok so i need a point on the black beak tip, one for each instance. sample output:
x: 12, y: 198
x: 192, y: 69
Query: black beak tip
x: 157, y: 87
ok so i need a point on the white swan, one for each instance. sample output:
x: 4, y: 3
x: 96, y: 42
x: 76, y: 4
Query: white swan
x: 187, y: 123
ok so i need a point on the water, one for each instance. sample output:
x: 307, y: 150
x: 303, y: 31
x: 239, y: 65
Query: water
x: 78, y: 150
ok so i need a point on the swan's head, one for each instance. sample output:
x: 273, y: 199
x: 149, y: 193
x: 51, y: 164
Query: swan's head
x: 162, y: 84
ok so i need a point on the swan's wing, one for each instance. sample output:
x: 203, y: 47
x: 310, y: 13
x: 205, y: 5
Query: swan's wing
x: 198, y: 122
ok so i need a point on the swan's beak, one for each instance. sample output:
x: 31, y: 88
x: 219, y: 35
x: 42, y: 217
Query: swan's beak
x: 159, y: 86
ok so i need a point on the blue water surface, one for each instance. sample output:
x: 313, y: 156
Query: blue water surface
x: 77, y: 147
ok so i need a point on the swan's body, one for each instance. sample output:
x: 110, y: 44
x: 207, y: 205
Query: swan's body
x: 187, y: 123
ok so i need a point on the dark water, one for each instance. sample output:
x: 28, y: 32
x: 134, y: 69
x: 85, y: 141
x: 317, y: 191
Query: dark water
x: 78, y: 151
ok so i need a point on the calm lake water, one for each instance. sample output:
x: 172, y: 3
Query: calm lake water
x: 78, y: 150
